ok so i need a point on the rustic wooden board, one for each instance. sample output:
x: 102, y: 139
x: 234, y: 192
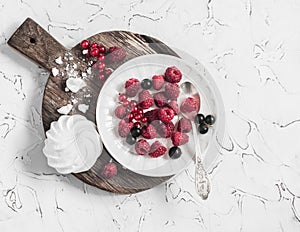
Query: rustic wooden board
x: 35, y: 43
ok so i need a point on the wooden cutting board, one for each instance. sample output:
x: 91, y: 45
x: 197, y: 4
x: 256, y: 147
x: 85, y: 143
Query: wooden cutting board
x: 38, y: 45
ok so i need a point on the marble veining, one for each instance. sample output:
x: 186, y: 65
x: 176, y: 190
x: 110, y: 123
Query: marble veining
x: 252, y: 49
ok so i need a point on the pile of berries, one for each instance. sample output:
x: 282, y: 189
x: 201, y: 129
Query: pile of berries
x: 101, y: 57
x: 148, y: 115
x: 204, y: 122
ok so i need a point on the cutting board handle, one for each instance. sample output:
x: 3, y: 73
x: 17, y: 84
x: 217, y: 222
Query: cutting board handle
x: 37, y: 44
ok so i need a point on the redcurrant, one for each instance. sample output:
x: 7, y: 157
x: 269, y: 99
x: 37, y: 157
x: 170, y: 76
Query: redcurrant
x: 94, y: 52
x: 122, y: 97
x: 102, y: 49
x: 85, y: 44
x: 94, y: 45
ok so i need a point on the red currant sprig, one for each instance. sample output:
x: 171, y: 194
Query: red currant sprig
x: 134, y: 112
x: 95, y: 50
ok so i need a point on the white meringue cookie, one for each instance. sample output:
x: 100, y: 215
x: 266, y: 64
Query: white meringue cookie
x: 75, y: 84
x: 72, y: 145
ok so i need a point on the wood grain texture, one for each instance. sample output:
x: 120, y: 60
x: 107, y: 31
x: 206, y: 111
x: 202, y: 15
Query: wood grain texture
x: 54, y: 95
x: 34, y: 42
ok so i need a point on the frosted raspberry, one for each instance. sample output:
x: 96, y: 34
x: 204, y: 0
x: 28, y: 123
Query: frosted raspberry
x: 179, y: 138
x: 116, y: 54
x: 145, y: 99
x: 189, y: 105
x: 132, y: 87
x: 172, y: 91
x: 120, y: 112
x: 165, y: 115
x: 109, y: 170
x: 165, y: 129
x: 173, y: 75
x: 142, y: 147
x: 149, y: 132
x: 160, y: 99
x: 124, y: 128
x: 174, y: 106
x: 184, y: 125
x: 157, y: 150
x: 158, y: 82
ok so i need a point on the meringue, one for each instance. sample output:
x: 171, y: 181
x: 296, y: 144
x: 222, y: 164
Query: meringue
x: 65, y: 109
x: 75, y: 84
x: 72, y: 144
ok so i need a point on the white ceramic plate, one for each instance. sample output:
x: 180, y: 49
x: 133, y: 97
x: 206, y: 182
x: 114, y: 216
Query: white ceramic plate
x: 145, y: 67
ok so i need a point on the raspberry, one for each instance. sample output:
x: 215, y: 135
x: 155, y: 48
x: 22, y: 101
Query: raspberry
x: 151, y: 115
x: 158, y: 82
x: 116, y: 54
x: 165, y: 130
x: 165, y: 114
x: 172, y: 91
x: 145, y: 99
x: 184, y: 125
x: 142, y: 147
x: 149, y: 132
x: 174, y: 106
x: 109, y: 170
x: 160, y: 99
x: 189, y: 105
x: 120, y: 112
x: 132, y: 87
x: 173, y: 75
x: 124, y: 128
x: 157, y: 150
x: 179, y: 138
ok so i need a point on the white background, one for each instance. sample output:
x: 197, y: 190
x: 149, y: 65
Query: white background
x: 252, y: 47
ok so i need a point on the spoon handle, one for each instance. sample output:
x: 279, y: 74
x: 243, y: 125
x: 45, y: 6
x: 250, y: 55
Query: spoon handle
x: 202, y: 184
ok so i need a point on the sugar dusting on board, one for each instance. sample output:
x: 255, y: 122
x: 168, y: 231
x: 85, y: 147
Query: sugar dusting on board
x: 74, y: 75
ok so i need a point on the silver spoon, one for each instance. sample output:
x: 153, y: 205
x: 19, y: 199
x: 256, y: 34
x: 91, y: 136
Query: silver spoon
x: 202, y: 183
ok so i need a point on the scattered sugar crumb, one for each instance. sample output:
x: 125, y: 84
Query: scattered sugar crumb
x: 89, y: 70
x: 75, y: 66
x: 65, y: 109
x: 58, y: 60
x: 66, y: 89
x: 55, y: 72
x: 84, y: 75
x: 74, y: 101
x: 85, y: 51
x: 83, y: 108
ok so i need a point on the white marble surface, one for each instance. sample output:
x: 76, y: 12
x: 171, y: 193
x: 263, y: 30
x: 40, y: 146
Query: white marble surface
x: 252, y: 47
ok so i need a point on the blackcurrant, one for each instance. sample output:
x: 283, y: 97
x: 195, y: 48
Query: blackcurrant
x: 199, y: 118
x: 175, y: 152
x: 210, y: 120
x: 203, y: 128
x: 135, y: 132
x: 146, y: 84
x: 130, y: 139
